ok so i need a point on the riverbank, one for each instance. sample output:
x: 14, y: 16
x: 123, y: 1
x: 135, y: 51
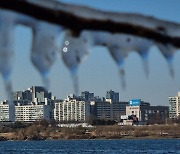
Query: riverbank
x: 43, y: 131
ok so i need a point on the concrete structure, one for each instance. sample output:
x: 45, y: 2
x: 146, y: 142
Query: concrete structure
x: 7, y: 111
x: 30, y: 105
x: 24, y: 113
x: 4, y: 111
x: 30, y: 113
x: 112, y: 95
x: 87, y: 96
x: 144, y: 112
x: 108, y: 110
x: 22, y: 96
x: 36, y: 94
x: 174, y: 106
x: 40, y: 94
x: 72, y: 109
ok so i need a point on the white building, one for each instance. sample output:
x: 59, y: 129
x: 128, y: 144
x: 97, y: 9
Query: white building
x: 144, y: 112
x: 174, y: 106
x: 4, y: 112
x: 135, y: 110
x: 7, y: 113
x: 30, y: 113
x: 72, y: 110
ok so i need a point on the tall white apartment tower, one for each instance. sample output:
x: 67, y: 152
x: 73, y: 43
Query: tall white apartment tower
x: 174, y: 106
x: 72, y: 110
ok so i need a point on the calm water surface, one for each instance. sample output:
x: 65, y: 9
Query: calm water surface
x: 91, y: 146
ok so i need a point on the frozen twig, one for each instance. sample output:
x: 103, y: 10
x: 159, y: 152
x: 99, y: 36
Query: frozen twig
x: 78, y: 18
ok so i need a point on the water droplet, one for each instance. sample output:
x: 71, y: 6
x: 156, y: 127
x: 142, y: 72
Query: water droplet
x: 65, y: 49
x: 66, y: 42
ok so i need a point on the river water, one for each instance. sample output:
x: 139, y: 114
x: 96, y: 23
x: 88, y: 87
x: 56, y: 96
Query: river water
x: 149, y: 146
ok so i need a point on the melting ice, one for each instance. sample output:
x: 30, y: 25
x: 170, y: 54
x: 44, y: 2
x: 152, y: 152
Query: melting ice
x: 7, y: 27
x: 44, y: 48
x: 74, y: 52
x: 168, y: 52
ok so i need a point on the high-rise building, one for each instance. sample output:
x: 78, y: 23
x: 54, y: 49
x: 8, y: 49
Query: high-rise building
x: 72, y: 109
x: 39, y: 94
x: 4, y: 111
x: 112, y: 95
x: 174, y: 106
x: 22, y: 97
x: 7, y: 111
x: 87, y: 96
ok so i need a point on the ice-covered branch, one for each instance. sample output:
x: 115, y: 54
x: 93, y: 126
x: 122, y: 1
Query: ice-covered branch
x: 78, y: 18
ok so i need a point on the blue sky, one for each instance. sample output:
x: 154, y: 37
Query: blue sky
x: 99, y: 72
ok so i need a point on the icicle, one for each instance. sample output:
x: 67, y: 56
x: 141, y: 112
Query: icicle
x: 75, y: 79
x: 142, y: 47
x: 118, y: 56
x: 44, y: 48
x: 118, y: 49
x: 7, y: 27
x: 144, y: 56
x: 168, y: 52
x: 128, y: 43
x: 74, y: 52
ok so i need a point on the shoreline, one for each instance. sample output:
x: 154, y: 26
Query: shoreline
x: 95, y: 139
x: 108, y: 132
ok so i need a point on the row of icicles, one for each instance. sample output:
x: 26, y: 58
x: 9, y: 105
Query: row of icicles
x: 73, y: 51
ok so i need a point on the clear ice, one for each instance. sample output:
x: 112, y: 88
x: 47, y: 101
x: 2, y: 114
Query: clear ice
x: 76, y: 48
x: 168, y: 52
x: 44, y: 48
x: 7, y: 29
x: 74, y: 51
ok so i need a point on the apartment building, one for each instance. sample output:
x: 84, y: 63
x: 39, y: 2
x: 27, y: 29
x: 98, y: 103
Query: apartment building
x: 7, y: 112
x: 174, y: 106
x: 31, y: 113
x: 4, y: 111
x: 72, y: 109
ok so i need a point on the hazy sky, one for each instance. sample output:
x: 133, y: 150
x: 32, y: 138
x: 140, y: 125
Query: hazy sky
x: 99, y: 72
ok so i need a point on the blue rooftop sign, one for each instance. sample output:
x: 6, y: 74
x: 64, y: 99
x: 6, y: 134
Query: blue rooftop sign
x: 135, y: 102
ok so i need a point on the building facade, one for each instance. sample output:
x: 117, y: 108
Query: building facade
x: 87, y: 96
x: 174, y: 106
x: 40, y: 94
x: 144, y: 112
x: 4, y: 111
x: 114, y: 96
x: 108, y: 110
x: 7, y: 112
x: 31, y: 113
x: 72, y: 110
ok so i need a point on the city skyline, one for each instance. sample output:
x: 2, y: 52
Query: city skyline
x: 99, y: 73
x: 38, y: 103
x: 85, y: 95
